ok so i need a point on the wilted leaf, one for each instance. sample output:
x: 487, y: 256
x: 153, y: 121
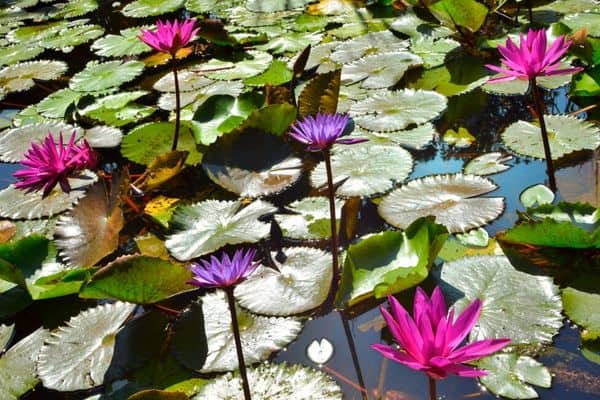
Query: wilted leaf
x: 320, y: 95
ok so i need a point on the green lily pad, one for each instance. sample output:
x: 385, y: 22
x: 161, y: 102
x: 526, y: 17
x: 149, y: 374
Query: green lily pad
x: 6, y: 335
x: 126, y: 43
x: 521, y: 86
x: 510, y: 375
x: 309, y: 219
x: 416, y: 138
x: 536, y: 195
x: 382, y: 42
x: 390, y: 261
x: 365, y: 169
x: 487, y: 164
x: 475, y: 237
x: 468, y: 14
x: 147, y: 141
x: 138, y: 279
x: 22, y: 259
x: 565, y: 134
x: 379, y: 71
x: 146, y: 8
x: 291, y: 42
x: 19, y: 52
x: 253, y: 63
x: 86, y: 343
x: 277, y: 74
x: 58, y: 103
x: 450, y: 198
x: 460, y: 138
x: 19, y: 77
x: 415, y: 27
x: 67, y: 38
x: 206, y: 226
x: 392, y: 111
x: 267, y: 6
x: 432, y: 52
x: 118, y: 109
x: 587, y: 20
x: 98, y: 77
x: 74, y: 8
x: 581, y: 308
x: 516, y: 305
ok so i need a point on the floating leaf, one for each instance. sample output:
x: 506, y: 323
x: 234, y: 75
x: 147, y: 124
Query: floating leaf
x: 303, y: 279
x: 587, y: 20
x: 155, y: 394
x: 521, y: 86
x: 21, y: 259
x: 536, y: 195
x: 565, y: 134
x: 392, y: 111
x: 197, y: 98
x: 67, y: 38
x: 510, y: 375
x: 19, y: 77
x: 365, y: 169
x: 525, y: 308
x: 291, y: 42
x: 126, y: 43
x: 475, y: 237
x: 456, y: 76
x: 74, y: 8
x: 90, y: 231
x: 379, y: 71
x: 463, y: 13
x: 18, y: 204
x: 581, y: 308
x: 97, y: 77
x: 413, y: 26
x: 309, y: 219
x: 382, y: 42
x: 267, y: 6
x: 257, y: 62
x: 448, y: 197
x: 6, y: 334
x: 19, y: 52
x: 274, y: 382
x: 416, y: 138
x: 260, y: 335
x: 138, y: 279
x: 147, y: 141
x: 462, y: 138
x: 277, y: 74
x: 454, y: 249
x: 319, y: 58
x: 17, y: 366
x: 319, y: 352
x: 58, y: 103
x: 164, y: 168
x: 118, y: 109
x: 390, y: 261
x: 229, y: 164
x: 432, y: 52
x: 487, y: 164
x: 86, y: 343
x: 320, y: 95
x: 103, y: 136
x: 209, y: 225
x: 146, y: 8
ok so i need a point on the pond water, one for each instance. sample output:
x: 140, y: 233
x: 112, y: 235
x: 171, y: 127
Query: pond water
x: 361, y: 372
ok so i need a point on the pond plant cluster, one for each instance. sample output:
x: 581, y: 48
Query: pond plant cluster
x: 195, y: 181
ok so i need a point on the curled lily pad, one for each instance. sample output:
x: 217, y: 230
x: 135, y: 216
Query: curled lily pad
x: 450, y: 198
x: 97, y: 77
x: 126, y: 43
x: 372, y: 43
x: 379, y: 71
x: 146, y: 8
x: 303, y: 279
x: 274, y: 382
x: 537, y: 194
x: 229, y: 164
x: 260, y: 335
x: 310, y: 219
x: 204, y: 227
x: 581, y: 308
x: 17, y: 366
x: 523, y: 307
x: 19, y: 77
x: 18, y: 204
x: 566, y: 134
x: 91, y: 230
x: 86, y: 343
x: 365, y: 169
x: 487, y: 164
x: 392, y: 111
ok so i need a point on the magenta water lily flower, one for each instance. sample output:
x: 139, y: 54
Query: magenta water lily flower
x: 49, y: 164
x: 322, y: 131
x: 532, y: 58
x: 224, y: 272
x: 432, y: 342
x: 169, y: 36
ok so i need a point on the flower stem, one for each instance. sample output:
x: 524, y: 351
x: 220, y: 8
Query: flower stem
x: 539, y: 109
x: 238, y: 343
x: 177, y: 105
x: 334, y: 238
x: 432, y: 389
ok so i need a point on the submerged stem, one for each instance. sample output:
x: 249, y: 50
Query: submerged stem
x: 432, y: 389
x: 238, y: 343
x: 177, y: 105
x: 334, y: 238
x: 539, y: 109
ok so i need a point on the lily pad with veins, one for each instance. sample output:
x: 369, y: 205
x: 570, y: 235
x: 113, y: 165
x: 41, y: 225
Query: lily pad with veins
x: 379, y: 71
x: 309, y: 219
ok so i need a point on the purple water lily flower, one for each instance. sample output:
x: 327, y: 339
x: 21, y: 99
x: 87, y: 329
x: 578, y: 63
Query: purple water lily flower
x: 322, y: 131
x: 432, y: 341
x: 532, y: 58
x: 49, y: 164
x: 169, y: 36
x: 224, y: 272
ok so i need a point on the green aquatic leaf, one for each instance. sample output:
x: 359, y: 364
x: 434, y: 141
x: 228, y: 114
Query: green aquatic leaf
x: 6, y: 335
x: 525, y: 308
x: 475, y: 237
x: 291, y: 42
x: 73, y: 8
x: 566, y: 134
x: 22, y: 259
x: 19, y: 77
x: 487, y: 164
x: 138, y: 279
x: 146, y: 8
x: 587, y: 20
x: 521, y: 86
x: 581, y: 308
x: 510, y: 375
x: 382, y: 42
x: 277, y: 74
x: 536, y: 195
x: 416, y: 138
x: 457, y: 76
x: 379, y: 71
x: 86, y: 343
x: 126, y: 43
x: 251, y: 64
x: 19, y: 52
x: 118, y: 109
x: 274, y: 119
x: 204, y: 6
x: 309, y: 219
x: 468, y: 14
x: 204, y: 227
x: 415, y: 27
x: 67, y: 38
x: 364, y: 169
x: 432, y: 52
x: 58, y: 103
x: 267, y: 6
x: 390, y: 261
x: 98, y: 77
x: 460, y: 138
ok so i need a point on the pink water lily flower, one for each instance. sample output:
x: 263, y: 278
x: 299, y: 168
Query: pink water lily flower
x: 49, y: 164
x: 224, y: 272
x: 322, y: 131
x: 169, y: 36
x: 432, y: 342
x: 532, y: 58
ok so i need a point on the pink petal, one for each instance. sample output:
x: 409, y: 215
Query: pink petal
x: 400, y: 357
x: 460, y: 328
x: 477, y: 350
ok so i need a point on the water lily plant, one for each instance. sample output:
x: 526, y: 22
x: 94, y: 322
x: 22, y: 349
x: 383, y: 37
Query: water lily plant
x: 51, y: 163
x: 320, y: 133
x: 225, y: 273
x: 169, y: 38
x: 432, y: 339
x: 533, y: 58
